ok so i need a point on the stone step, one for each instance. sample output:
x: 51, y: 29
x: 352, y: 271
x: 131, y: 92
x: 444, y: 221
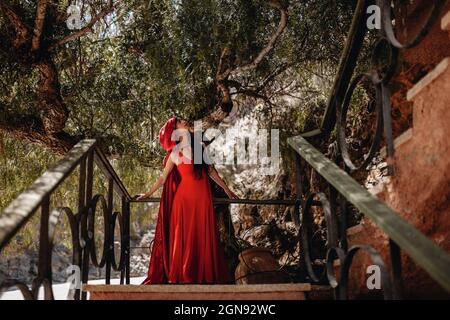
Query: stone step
x: 431, y: 97
x: 285, y: 291
x: 419, y: 189
x: 445, y: 22
x: 399, y: 141
x: 431, y: 77
x: 421, y: 153
x: 431, y: 114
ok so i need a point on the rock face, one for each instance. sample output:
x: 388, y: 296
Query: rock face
x: 25, y: 266
x: 269, y: 227
x: 420, y: 189
x: 140, y: 255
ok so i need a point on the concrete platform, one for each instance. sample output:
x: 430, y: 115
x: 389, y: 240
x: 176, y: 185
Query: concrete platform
x: 291, y: 291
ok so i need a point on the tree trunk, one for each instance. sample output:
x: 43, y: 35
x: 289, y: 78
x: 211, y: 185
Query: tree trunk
x: 55, y: 112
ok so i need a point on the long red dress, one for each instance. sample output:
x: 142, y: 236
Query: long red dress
x: 187, y: 247
x: 195, y: 251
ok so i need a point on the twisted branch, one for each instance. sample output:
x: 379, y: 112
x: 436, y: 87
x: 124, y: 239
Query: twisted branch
x: 88, y: 28
x: 39, y: 24
x: 266, y: 50
x: 222, y: 77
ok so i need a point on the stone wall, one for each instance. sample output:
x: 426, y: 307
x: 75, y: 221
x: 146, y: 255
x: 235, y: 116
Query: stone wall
x: 416, y: 62
x: 420, y: 189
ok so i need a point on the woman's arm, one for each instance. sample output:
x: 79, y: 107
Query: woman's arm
x: 217, y: 179
x: 159, y: 182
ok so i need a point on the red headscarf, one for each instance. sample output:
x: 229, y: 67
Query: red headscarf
x: 165, y: 134
x: 158, y: 269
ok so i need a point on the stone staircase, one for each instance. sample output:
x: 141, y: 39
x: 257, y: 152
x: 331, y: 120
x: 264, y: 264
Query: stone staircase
x: 422, y: 163
x: 420, y: 188
x: 419, y: 191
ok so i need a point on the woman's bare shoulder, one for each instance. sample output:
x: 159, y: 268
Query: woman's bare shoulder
x: 178, y: 157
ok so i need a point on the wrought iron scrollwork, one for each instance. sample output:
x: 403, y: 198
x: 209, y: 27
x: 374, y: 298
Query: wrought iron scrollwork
x: 341, y: 125
x: 82, y: 226
x: 385, y: 54
x: 334, y: 251
x: 384, y: 63
x: 117, y: 264
x: 91, y: 230
x: 23, y: 288
x: 385, y: 5
x: 306, y: 228
x: 376, y: 259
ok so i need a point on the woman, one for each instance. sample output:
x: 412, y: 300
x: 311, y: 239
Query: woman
x: 186, y: 248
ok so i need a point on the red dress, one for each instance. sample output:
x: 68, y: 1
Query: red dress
x: 188, y: 249
x: 195, y: 252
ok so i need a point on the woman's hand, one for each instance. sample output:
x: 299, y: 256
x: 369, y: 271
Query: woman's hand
x: 217, y: 179
x: 143, y: 196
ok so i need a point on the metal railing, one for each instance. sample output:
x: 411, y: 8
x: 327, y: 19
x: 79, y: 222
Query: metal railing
x: 37, y: 197
x: 345, y: 83
x: 403, y: 235
x: 81, y: 220
x: 342, y: 188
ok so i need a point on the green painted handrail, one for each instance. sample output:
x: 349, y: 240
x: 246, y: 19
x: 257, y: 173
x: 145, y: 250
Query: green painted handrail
x: 422, y: 250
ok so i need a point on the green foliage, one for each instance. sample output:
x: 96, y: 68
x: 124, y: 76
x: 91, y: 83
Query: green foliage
x: 23, y: 163
x: 152, y: 60
x: 183, y: 42
x: 155, y: 59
